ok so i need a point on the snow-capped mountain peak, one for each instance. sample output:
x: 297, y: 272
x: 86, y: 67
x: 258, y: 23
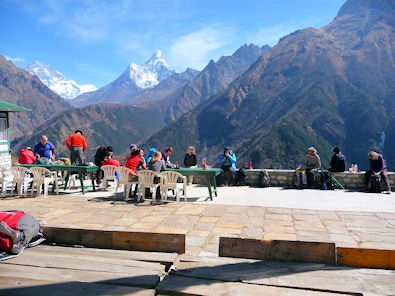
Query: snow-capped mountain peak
x: 152, y: 72
x: 55, y: 81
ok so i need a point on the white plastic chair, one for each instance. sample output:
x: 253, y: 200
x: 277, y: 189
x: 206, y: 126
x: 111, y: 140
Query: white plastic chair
x: 123, y: 179
x: 146, y: 179
x: 43, y: 176
x: 170, y: 182
x: 5, y: 178
x: 109, y: 175
x: 20, y: 178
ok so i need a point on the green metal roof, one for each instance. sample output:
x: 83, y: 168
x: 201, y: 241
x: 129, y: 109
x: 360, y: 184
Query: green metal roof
x: 4, y: 106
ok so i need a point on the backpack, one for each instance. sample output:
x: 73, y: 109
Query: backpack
x: 326, y: 181
x: 240, y: 178
x: 18, y: 231
x: 264, y: 179
x: 300, y: 179
x: 374, y: 185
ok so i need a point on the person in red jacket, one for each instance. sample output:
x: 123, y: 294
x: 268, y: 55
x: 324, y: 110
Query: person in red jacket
x: 77, y: 146
x: 134, y: 162
x: 109, y: 160
x: 26, y: 156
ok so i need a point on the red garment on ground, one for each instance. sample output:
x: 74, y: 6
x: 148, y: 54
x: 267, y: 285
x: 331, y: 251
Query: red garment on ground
x: 11, y: 219
x: 133, y: 162
x: 26, y: 157
x: 77, y: 140
x: 110, y: 162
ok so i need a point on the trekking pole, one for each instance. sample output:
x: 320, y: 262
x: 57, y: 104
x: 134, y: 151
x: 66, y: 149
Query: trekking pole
x: 337, y: 182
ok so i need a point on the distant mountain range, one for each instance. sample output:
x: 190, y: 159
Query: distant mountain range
x: 156, y: 103
x: 66, y: 88
x: 317, y: 87
x: 19, y: 87
x: 133, y: 80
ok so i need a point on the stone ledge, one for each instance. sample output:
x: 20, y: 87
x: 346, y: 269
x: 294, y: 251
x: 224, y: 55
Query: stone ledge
x: 122, y: 240
x: 308, y: 252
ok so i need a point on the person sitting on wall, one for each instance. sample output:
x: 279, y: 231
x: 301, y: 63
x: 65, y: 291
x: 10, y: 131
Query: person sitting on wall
x: 338, y: 162
x: 227, y: 163
x: 44, y: 149
x: 26, y: 156
x: 77, y: 145
x: 313, y: 163
x: 378, y: 166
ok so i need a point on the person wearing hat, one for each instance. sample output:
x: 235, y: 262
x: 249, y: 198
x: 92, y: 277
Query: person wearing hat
x: 148, y: 157
x: 313, y: 163
x: 26, y: 156
x: 227, y: 163
x: 109, y: 160
x: 135, y: 161
x: 77, y: 146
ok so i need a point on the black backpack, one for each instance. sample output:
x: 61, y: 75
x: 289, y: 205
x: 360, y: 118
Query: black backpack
x: 240, y: 178
x: 264, y: 179
x: 327, y: 179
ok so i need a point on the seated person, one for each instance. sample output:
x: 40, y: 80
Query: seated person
x: 26, y: 156
x: 338, y: 162
x: 227, y: 160
x: 109, y: 160
x: 313, y: 163
x: 100, y: 155
x: 151, y: 152
x: 134, y: 161
x: 156, y: 164
x: 378, y: 166
x: 166, y: 157
x: 44, y: 148
x: 227, y: 163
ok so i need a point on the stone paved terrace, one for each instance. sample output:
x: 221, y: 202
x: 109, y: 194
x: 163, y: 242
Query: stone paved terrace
x: 349, y: 219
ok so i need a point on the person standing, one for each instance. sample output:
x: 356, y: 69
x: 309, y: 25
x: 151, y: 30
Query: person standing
x: 378, y: 166
x: 313, y: 163
x: 338, y: 162
x: 44, y: 149
x: 77, y: 145
x: 190, y: 161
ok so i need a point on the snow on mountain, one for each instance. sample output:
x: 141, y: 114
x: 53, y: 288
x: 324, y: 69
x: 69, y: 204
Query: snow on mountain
x: 54, y: 80
x: 154, y: 71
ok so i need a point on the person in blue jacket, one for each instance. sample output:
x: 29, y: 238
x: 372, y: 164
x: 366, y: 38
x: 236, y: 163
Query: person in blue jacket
x: 227, y: 160
x: 148, y: 157
x: 45, y: 148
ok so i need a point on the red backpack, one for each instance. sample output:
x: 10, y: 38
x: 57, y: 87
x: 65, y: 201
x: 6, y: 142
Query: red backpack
x: 17, y: 230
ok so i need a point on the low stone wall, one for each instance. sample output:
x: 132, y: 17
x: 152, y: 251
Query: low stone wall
x: 285, y: 178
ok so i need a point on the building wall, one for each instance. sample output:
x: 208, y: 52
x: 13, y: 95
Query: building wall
x: 5, y: 160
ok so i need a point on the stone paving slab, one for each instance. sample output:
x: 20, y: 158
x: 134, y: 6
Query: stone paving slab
x: 204, y: 223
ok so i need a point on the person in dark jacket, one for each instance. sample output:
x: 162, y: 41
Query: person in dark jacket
x: 190, y: 161
x: 338, y: 162
x: 101, y: 154
x: 378, y: 166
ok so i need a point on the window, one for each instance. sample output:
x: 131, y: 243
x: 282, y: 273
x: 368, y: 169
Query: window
x: 3, y: 130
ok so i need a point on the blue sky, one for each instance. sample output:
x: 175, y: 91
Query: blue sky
x: 94, y: 41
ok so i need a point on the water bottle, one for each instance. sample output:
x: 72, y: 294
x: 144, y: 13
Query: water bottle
x: 356, y: 168
x: 250, y: 165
